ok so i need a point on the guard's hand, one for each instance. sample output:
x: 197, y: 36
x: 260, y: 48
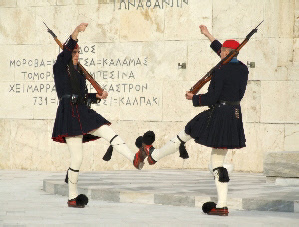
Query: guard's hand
x: 204, y: 30
x: 81, y: 27
x: 103, y: 96
x: 189, y: 95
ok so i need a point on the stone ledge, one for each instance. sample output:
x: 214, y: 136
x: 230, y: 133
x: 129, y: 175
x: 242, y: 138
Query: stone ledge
x: 258, y: 204
x: 282, y: 164
x: 179, y: 188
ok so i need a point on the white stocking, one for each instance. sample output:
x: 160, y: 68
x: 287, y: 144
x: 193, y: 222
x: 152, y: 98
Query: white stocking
x: 75, y: 148
x: 107, y: 133
x: 217, y: 159
x: 171, y: 147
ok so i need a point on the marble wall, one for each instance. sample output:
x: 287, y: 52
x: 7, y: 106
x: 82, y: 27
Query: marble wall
x: 133, y: 51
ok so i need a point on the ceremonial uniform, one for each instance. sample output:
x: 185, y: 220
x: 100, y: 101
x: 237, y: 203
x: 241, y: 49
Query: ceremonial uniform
x: 221, y: 125
x: 73, y: 119
x: 75, y: 122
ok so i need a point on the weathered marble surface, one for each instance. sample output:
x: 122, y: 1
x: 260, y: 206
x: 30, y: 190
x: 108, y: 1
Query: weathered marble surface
x: 282, y: 164
x: 146, y: 89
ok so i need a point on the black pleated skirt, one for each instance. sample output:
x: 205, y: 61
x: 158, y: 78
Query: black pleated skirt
x: 218, y: 127
x: 74, y: 120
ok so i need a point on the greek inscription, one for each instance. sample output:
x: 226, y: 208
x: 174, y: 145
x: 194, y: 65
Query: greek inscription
x: 124, y: 87
x: 32, y: 88
x: 149, y: 4
x: 121, y: 62
x: 130, y: 101
x: 87, y: 49
x: 41, y: 100
x: 38, y: 76
x: 138, y: 101
x: 36, y: 63
x: 114, y: 75
x: 15, y: 88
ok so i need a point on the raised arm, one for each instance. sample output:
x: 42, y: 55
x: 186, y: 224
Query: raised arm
x: 215, y: 44
x: 66, y: 55
x: 204, y: 30
x: 80, y: 28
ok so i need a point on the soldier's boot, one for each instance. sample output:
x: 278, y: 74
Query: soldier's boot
x: 79, y: 202
x: 221, y: 180
x: 144, y: 143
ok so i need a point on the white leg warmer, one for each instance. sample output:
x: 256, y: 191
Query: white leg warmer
x: 171, y: 147
x: 217, y: 159
x: 107, y: 133
x: 75, y: 148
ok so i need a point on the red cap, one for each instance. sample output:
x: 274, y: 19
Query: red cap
x: 230, y: 43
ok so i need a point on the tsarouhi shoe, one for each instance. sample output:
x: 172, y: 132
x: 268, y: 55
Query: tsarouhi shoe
x: 140, y: 155
x: 210, y: 209
x: 144, y: 143
x: 79, y: 202
x: 150, y: 159
x: 219, y: 211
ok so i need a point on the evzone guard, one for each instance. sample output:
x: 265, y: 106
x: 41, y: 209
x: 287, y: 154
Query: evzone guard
x: 75, y: 122
x: 221, y: 126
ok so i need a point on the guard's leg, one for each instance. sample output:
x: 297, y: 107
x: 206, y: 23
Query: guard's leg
x: 221, y: 181
x: 107, y: 133
x: 169, y: 148
x: 75, y: 148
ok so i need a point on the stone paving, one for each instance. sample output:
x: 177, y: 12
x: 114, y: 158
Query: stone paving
x: 180, y: 188
x: 25, y: 203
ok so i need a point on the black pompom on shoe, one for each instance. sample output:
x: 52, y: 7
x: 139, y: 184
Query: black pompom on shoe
x: 208, y: 206
x: 148, y: 137
x: 138, y: 142
x: 82, y: 199
x: 79, y: 202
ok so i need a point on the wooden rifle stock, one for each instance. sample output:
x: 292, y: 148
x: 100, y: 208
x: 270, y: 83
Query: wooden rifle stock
x: 224, y: 61
x: 96, y: 86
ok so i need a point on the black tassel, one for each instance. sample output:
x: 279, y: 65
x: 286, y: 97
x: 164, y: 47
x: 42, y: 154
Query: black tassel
x: 67, y: 174
x: 183, y: 152
x: 67, y: 177
x: 208, y: 206
x: 108, y: 154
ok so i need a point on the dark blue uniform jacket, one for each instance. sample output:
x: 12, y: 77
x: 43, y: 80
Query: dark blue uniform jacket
x: 221, y: 126
x: 73, y: 119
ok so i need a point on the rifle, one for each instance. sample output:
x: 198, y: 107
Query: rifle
x: 96, y: 86
x: 224, y: 61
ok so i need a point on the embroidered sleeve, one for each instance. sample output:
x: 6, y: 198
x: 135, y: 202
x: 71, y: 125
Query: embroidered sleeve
x: 196, y: 99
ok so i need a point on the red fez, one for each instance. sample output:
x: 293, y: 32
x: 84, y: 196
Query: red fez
x: 230, y: 43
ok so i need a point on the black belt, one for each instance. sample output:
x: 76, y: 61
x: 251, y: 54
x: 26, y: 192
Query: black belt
x: 75, y: 99
x: 64, y: 97
x: 230, y: 103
